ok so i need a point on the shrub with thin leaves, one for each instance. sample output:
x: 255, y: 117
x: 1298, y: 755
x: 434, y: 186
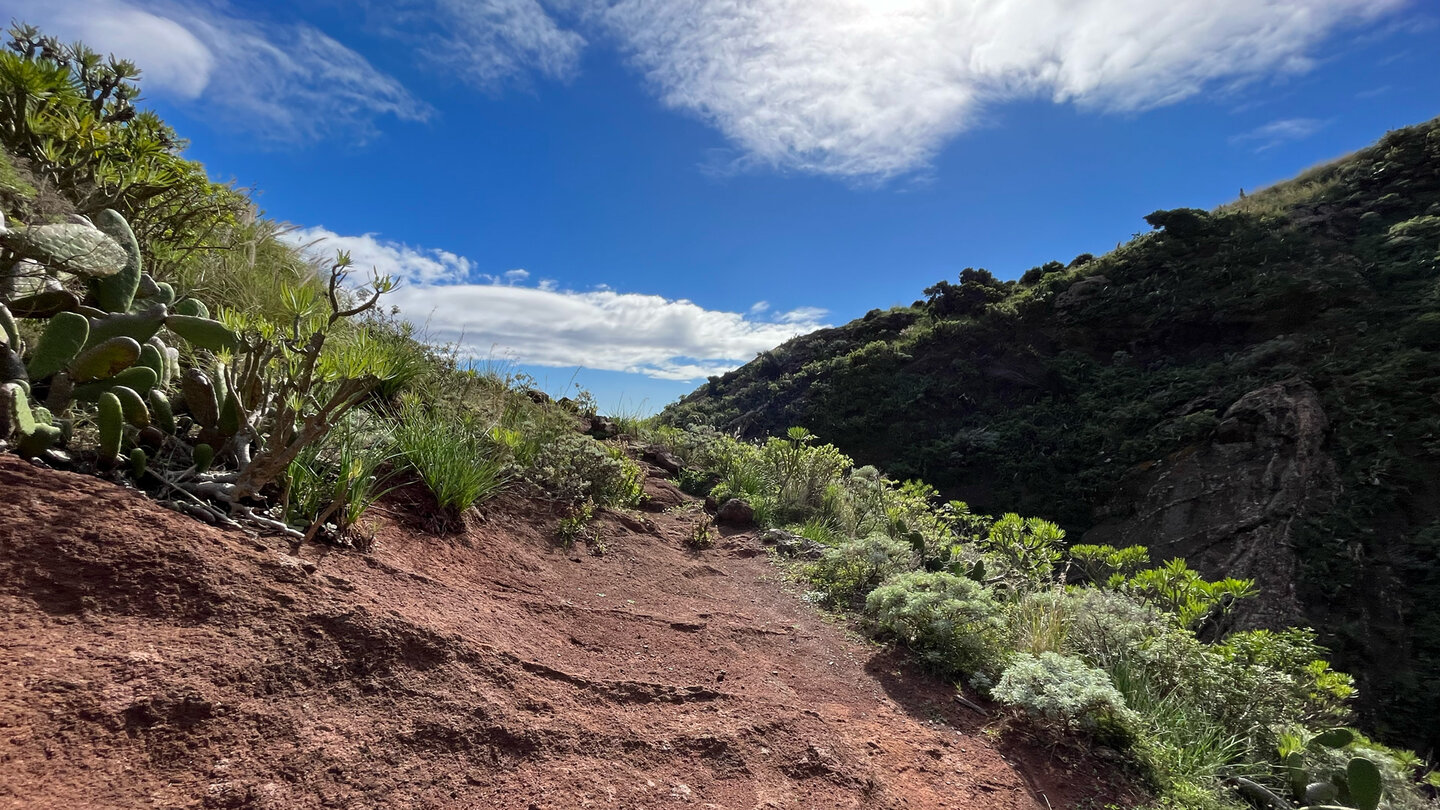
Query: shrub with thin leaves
x: 577, y: 468
x: 851, y: 569
x: 953, y: 623
x: 1063, y: 690
x: 338, y: 479
x: 450, y: 455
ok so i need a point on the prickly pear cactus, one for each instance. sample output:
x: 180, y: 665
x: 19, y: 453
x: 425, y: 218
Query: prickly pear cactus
x: 105, y: 360
x: 110, y: 419
x: 203, y: 332
x: 203, y: 456
x: 132, y: 406
x: 192, y: 307
x: 115, y: 293
x: 199, y: 394
x: 161, y: 414
x: 141, y: 326
x: 62, y: 340
x: 71, y: 248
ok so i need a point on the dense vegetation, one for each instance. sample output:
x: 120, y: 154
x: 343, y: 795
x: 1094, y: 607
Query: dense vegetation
x: 1049, y: 394
x: 1092, y: 643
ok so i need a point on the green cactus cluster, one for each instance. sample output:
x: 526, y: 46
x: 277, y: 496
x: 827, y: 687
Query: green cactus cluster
x: 100, y: 317
x: 1358, y: 787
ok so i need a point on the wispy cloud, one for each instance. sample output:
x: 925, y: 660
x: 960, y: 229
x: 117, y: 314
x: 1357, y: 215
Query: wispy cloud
x: 499, y: 314
x: 287, y: 83
x: 1282, y: 131
x: 484, y: 43
x: 874, y: 89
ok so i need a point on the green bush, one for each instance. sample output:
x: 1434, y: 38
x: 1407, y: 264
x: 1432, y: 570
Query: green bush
x: 1101, y: 622
x: 850, y: 570
x: 450, y: 455
x: 1026, y: 548
x: 575, y: 468
x: 1060, y: 689
x: 339, y: 478
x: 953, y: 623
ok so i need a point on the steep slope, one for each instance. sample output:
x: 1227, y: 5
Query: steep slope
x: 154, y: 661
x: 1253, y: 388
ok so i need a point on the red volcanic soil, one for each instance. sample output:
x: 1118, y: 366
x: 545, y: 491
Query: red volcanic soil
x: 147, y: 660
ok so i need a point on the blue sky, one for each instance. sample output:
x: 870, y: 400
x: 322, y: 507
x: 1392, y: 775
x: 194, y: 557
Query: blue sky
x: 655, y: 190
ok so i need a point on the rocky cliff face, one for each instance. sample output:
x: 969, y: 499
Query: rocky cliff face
x: 1230, y: 505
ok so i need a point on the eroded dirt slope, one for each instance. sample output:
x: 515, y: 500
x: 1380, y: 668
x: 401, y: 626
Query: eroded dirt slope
x: 147, y: 660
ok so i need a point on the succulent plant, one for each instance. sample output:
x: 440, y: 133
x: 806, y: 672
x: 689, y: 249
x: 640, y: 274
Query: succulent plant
x: 115, y: 293
x: 132, y: 406
x: 32, y: 436
x: 44, y: 304
x: 161, y: 414
x: 64, y: 336
x: 110, y: 419
x: 9, y: 331
x: 192, y: 307
x: 105, y: 360
x: 139, y: 326
x: 1359, y: 787
x: 199, y: 395
x: 68, y: 247
x: 203, y: 332
x: 203, y: 456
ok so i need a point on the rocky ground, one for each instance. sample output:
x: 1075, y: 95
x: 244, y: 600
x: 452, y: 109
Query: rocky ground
x: 147, y: 660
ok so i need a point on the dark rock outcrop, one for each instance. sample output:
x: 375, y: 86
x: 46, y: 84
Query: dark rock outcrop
x: 1229, y: 506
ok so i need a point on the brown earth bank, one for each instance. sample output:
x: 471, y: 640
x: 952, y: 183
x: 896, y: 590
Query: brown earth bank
x: 147, y: 660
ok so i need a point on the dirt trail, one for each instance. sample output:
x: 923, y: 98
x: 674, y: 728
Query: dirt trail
x: 147, y: 660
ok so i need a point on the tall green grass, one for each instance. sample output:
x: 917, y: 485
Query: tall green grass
x: 339, y: 479
x: 450, y: 454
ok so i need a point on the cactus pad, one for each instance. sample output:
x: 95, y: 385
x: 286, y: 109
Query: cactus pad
x: 138, y: 325
x: 105, y: 360
x: 44, y: 304
x: 192, y: 307
x: 203, y: 332
x: 161, y: 414
x: 203, y: 456
x: 79, y: 249
x: 110, y: 419
x: 117, y: 292
x: 200, y: 397
x: 132, y: 406
x: 63, y: 338
x: 11, y: 369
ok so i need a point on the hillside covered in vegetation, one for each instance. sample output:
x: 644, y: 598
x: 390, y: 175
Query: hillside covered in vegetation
x: 1253, y: 388
x: 391, y: 606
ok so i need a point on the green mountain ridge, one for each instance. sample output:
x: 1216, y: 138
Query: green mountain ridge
x: 1255, y: 386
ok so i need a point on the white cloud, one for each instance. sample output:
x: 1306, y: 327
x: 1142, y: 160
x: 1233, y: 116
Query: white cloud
x: 403, y: 262
x: 1275, y: 133
x: 802, y: 315
x: 600, y: 329
x: 485, y: 43
x: 278, y: 82
x: 875, y: 87
x: 546, y: 326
